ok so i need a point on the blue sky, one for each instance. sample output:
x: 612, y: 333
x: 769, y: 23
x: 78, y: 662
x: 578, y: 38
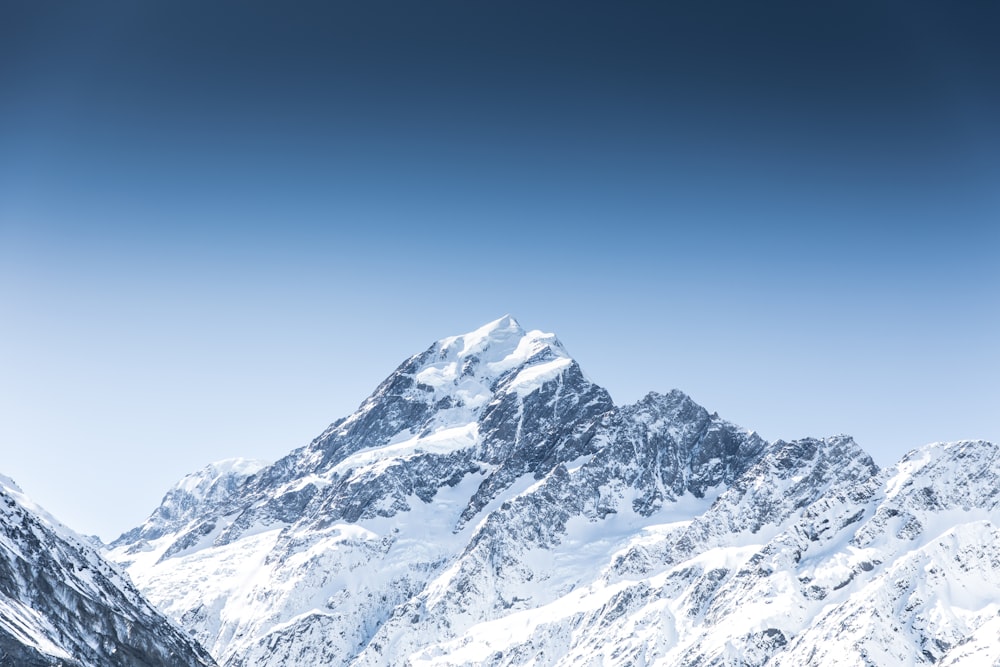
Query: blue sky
x: 221, y: 227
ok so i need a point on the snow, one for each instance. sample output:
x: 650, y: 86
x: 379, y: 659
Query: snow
x: 304, y: 481
x: 905, y: 470
x: 63, y: 599
x: 15, y: 492
x: 497, y: 348
x: 498, y: 335
x: 485, y: 639
x: 27, y: 625
x: 560, y: 566
x: 480, y: 642
x: 9, y: 484
x: 197, y: 482
x: 332, y: 572
x: 375, y: 459
x: 533, y: 377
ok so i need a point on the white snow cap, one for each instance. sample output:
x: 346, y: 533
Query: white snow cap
x: 500, y: 339
x: 498, y: 346
x: 466, y: 366
x: 498, y: 332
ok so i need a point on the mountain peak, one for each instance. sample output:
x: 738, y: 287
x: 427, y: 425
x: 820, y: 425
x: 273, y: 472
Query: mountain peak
x: 489, y: 352
x: 508, y: 321
x: 486, y: 483
x: 501, y: 334
x: 202, y: 481
x: 213, y: 485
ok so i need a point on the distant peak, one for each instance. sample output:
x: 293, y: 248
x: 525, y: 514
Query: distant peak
x: 213, y: 472
x: 672, y: 396
x: 674, y: 399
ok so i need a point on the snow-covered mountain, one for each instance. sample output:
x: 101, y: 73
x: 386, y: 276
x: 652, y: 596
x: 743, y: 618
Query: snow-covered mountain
x: 488, y: 504
x: 62, y: 604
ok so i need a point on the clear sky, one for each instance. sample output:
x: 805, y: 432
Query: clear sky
x: 223, y: 224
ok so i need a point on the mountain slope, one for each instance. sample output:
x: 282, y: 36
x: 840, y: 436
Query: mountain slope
x: 452, y: 431
x: 488, y: 504
x: 62, y: 604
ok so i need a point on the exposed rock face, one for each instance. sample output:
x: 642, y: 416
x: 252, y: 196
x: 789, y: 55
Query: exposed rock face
x: 488, y: 504
x: 62, y: 604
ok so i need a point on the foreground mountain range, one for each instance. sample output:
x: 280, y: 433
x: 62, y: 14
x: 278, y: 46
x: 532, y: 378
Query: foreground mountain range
x: 62, y: 604
x: 488, y: 504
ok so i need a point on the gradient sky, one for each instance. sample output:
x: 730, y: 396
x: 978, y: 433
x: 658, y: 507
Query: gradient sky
x: 223, y: 224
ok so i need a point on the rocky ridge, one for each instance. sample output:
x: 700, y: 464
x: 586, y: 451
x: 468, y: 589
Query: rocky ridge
x: 488, y: 504
x: 62, y: 604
